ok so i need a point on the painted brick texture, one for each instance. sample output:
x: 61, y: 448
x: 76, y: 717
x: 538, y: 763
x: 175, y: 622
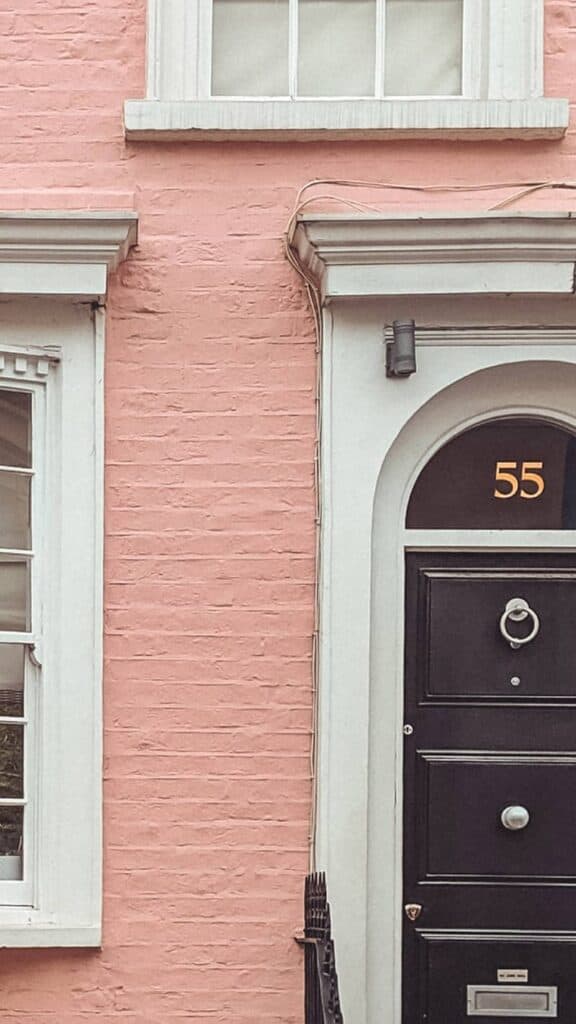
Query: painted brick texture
x: 210, y: 420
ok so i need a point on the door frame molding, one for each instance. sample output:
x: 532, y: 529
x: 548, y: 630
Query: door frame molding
x: 371, y: 459
x: 489, y: 292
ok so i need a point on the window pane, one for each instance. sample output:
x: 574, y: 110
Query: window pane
x: 11, y: 822
x: 336, y: 47
x: 14, y: 595
x: 250, y: 48
x: 14, y: 510
x: 11, y: 761
x: 515, y: 474
x: 423, y: 48
x: 15, y: 428
x: 11, y: 680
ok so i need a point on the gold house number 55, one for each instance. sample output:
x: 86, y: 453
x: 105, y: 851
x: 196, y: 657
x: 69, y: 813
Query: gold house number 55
x: 507, y: 473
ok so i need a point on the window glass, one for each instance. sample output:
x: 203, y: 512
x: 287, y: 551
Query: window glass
x: 14, y: 604
x: 336, y: 47
x: 11, y: 761
x: 14, y: 510
x: 11, y: 680
x: 514, y: 474
x: 250, y: 48
x: 423, y: 48
x: 11, y: 833
x: 15, y: 428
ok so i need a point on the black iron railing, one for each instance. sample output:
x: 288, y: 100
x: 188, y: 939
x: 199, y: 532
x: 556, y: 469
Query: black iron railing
x: 321, y: 997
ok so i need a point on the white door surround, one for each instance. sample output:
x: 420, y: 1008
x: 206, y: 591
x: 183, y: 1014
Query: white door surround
x: 485, y: 349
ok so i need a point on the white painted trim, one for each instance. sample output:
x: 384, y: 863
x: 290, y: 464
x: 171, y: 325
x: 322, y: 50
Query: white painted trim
x: 474, y: 28
x: 371, y: 457
x: 515, y: 49
x: 63, y: 882
x: 33, y: 933
x: 490, y: 253
x: 488, y: 540
x: 377, y: 435
x: 152, y: 51
x: 270, y: 120
x: 446, y: 337
x: 62, y: 253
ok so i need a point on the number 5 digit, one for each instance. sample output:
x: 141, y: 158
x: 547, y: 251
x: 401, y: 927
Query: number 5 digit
x: 507, y: 478
x: 534, y: 478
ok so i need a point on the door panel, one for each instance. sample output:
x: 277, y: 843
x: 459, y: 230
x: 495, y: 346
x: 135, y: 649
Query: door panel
x: 465, y: 962
x: 480, y: 745
x: 466, y: 797
x: 464, y: 654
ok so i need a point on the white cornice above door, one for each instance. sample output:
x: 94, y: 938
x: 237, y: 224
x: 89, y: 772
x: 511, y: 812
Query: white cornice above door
x: 369, y: 255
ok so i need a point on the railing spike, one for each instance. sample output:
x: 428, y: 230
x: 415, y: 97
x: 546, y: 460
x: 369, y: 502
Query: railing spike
x: 322, y: 998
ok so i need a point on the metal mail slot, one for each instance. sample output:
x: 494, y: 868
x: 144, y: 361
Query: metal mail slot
x: 512, y: 1000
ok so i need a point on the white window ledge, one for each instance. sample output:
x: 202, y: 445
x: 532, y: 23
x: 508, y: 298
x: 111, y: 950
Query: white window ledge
x: 269, y: 120
x: 27, y: 930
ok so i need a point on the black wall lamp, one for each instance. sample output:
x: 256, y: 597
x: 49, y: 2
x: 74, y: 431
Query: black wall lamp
x: 401, y: 352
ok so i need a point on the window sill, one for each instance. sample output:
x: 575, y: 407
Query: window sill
x: 271, y: 120
x: 25, y: 928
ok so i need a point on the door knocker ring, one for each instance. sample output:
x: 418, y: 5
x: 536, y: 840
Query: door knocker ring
x: 517, y: 609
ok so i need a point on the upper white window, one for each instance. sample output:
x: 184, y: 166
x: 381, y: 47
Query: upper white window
x: 217, y: 68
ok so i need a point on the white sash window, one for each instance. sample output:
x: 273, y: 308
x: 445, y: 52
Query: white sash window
x: 375, y: 68
x: 53, y: 276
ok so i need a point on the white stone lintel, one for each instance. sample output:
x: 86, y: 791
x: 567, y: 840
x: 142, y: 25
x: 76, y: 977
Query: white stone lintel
x: 357, y: 255
x: 63, y: 253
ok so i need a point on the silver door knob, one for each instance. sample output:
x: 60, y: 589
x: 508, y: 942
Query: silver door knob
x: 515, y: 817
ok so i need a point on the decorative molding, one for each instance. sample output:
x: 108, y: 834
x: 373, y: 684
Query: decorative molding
x: 447, y: 337
x: 508, y: 935
x: 27, y: 362
x: 368, y: 255
x: 273, y: 120
x: 63, y: 253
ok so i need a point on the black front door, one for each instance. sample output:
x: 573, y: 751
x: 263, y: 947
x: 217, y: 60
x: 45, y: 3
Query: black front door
x: 490, y: 788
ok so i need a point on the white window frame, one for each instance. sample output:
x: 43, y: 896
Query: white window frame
x: 28, y: 370
x: 53, y: 278
x: 502, y: 86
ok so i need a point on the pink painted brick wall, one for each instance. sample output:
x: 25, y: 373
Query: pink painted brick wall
x: 210, y: 514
